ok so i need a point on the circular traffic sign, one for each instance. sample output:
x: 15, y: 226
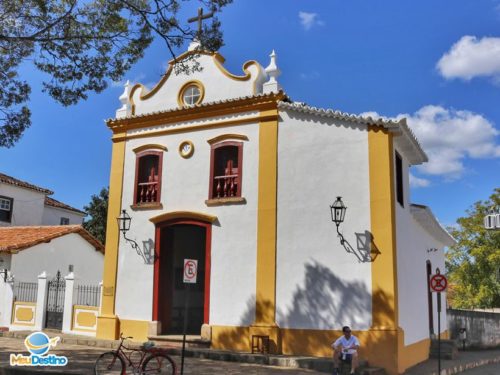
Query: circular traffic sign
x: 438, y: 283
x: 190, y: 269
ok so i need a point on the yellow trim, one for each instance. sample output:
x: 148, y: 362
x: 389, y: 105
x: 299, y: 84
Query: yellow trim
x: 180, y: 95
x: 189, y: 129
x: 21, y: 312
x: 183, y: 215
x: 317, y: 343
x: 189, y: 153
x: 86, y: 319
x: 138, y: 329
x: 254, y: 103
x: 223, y: 137
x: 412, y: 354
x: 265, y: 311
x: 382, y: 212
x: 149, y: 147
x: 107, y: 322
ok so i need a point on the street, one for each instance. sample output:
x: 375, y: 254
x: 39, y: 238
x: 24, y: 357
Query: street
x: 82, y: 358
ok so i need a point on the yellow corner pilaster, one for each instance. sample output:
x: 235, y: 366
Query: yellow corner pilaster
x: 107, y: 322
x: 383, y: 228
x: 266, y: 220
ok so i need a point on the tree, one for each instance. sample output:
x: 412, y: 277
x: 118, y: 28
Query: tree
x: 82, y: 45
x: 473, y: 264
x: 97, y: 209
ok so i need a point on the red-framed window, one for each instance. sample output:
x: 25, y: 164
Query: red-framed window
x: 226, y: 163
x: 148, y: 169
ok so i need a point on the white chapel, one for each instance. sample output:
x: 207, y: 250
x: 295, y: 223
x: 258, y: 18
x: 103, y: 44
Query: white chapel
x: 226, y: 169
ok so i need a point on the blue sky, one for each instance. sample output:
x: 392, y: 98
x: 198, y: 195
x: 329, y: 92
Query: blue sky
x: 435, y: 62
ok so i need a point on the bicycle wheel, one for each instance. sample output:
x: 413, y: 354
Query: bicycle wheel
x: 109, y: 363
x: 159, y: 363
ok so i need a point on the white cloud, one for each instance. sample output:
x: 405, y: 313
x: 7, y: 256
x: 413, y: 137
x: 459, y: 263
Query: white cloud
x: 417, y: 182
x: 308, y: 20
x: 449, y: 137
x: 472, y: 57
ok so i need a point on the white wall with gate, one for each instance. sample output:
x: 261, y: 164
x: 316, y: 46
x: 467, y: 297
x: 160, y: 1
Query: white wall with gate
x: 28, y: 305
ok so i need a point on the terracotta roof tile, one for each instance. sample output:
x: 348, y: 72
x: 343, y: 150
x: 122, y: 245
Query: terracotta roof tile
x: 20, y: 238
x: 55, y: 203
x: 14, y: 181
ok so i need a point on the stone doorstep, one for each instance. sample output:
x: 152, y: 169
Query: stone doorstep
x: 313, y: 363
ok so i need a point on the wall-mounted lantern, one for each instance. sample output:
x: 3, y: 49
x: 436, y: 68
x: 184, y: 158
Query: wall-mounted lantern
x: 124, y: 221
x: 338, y: 210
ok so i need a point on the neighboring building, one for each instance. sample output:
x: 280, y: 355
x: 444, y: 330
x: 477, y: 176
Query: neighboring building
x: 229, y: 171
x: 22, y: 203
x: 28, y: 251
x: 51, y: 278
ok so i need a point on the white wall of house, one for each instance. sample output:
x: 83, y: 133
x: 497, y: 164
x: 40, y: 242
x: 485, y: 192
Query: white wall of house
x: 319, y: 285
x: 185, y: 186
x: 53, y: 215
x: 27, y: 206
x: 56, y: 255
x: 413, y: 241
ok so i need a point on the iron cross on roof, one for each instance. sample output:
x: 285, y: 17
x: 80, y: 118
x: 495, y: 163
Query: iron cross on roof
x: 199, y: 18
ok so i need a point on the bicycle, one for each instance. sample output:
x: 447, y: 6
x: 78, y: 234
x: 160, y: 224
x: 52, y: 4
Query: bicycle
x: 150, y: 360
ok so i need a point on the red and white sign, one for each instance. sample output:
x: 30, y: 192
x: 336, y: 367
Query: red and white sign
x: 190, y: 270
x: 438, y: 283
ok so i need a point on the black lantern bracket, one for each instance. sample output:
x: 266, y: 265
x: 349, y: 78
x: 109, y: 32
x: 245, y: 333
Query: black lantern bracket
x: 124, y: 221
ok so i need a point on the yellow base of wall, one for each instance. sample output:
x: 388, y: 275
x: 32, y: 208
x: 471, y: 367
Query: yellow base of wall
x: 137, y: 329
x: 379, y: 346
x: 108, y: 327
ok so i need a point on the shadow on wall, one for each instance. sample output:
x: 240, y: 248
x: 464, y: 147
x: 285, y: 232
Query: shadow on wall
x: 324, y: 295
x: 366, y: 251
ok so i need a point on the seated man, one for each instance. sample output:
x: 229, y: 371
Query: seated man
x: 346, y: 347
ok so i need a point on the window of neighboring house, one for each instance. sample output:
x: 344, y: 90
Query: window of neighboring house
x: 64, y: 221
x: 6, y: 209
x: 148, y: 177
x: 226, y: 170
x: 399, y: 180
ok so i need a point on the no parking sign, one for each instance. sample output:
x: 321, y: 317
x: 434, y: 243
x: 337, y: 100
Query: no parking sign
x: 190, y: 271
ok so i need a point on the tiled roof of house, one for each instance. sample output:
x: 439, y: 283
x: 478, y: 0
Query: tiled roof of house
x: 55, y: 203
x: 14, y: 181
x: 20, y: 238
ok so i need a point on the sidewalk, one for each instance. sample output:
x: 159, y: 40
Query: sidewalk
x: 84, y: 351
x: 465, y: 361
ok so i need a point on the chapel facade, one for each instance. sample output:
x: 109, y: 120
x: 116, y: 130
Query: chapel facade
x: 228, y: 170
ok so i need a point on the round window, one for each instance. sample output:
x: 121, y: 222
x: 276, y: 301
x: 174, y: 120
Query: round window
x: 191, y: 94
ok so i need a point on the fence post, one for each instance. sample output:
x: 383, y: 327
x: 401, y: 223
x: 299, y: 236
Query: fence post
x: 68, y: 302
x: 41, y: 302
x: 6, y: 299
x: 100, y: 296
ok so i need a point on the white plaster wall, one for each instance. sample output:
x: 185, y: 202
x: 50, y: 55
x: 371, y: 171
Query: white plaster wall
x: 56, y: 255
x: 27, y: 205
x: 412, y: 243
x: 319, y: 284
x: 217, y: 87
x: 53, y: 215
x: 185, y: 184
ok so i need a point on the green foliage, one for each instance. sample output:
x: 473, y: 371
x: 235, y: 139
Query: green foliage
x: 82, y: 45
x: 473, y: 264
x: 98, y: 212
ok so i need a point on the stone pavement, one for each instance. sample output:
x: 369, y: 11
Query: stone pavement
x: 81, y: 361
x: 82, y: 357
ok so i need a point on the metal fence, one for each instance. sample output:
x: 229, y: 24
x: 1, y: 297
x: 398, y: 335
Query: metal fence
x: 88, y: 295
x: 25, y: 292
